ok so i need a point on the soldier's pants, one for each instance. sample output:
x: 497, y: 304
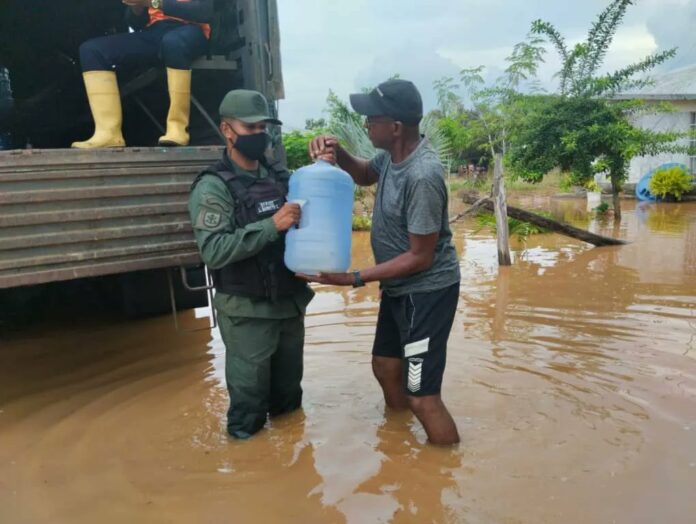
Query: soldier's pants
x: 174, y: 43
x: 263, y: 369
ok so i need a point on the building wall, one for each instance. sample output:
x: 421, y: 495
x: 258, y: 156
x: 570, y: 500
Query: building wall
x: 681, y: 120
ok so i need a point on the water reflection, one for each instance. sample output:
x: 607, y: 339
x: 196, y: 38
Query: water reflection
x: 571, y: 375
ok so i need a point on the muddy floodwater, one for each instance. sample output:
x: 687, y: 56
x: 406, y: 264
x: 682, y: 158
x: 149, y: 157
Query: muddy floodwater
x: 571, y: 376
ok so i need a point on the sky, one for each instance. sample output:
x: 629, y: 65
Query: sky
x: 346, y: 45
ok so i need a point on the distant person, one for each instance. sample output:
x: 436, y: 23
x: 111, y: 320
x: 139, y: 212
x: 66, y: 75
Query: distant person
x: 239, y: 214
x: 417, y: 265
x: 173, y: 32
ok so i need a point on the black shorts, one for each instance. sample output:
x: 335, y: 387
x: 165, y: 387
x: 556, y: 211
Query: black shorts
x: 415, y: 328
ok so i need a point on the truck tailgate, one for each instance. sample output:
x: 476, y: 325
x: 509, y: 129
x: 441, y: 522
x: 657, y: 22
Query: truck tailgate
x: 68, y: 214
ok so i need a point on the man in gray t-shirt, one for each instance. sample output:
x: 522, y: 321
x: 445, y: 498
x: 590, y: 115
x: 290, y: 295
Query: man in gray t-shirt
x: 412, y: 200
x: 417, y: 265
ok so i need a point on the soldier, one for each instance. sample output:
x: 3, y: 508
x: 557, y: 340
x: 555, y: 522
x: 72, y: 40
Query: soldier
x: 239, y: 218
x: 175, y: 32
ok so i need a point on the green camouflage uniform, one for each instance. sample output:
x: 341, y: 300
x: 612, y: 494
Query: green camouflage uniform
x: 263, y: 339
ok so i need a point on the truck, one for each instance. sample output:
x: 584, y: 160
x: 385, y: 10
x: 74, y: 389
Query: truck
x: 111, y: 221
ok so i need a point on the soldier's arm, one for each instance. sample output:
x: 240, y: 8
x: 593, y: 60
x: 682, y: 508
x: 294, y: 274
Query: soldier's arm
x: 219, y: 240
x: 192, y: 10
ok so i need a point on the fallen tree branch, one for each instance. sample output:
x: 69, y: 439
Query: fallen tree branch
x: 474, y: 207
x: 546, y: 223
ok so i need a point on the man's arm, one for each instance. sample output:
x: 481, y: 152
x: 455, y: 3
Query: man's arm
x: 328, y: 148
x: 425, y: 201
x: 418, y: 258
x: 219, y: 241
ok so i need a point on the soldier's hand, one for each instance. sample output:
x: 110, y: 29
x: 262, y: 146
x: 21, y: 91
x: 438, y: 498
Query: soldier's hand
x: 287, y: 216
x: 324, y: 147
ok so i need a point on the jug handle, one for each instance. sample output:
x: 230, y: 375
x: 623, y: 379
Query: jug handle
x: 300, y: 202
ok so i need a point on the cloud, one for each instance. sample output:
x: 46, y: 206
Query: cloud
x: 345, y: 46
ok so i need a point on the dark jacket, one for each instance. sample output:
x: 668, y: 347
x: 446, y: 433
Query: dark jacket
x: 198, y: 11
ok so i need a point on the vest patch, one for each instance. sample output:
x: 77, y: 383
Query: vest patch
x: 268, y: 206
x: 212, y: 219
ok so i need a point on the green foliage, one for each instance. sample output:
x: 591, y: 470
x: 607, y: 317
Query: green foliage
x: 592, y: 186
x: 476, y: 135
x: 315, y: 124
x: 297, y: 148
x: 582, y: 135
x: 671, y: 182
x: 469, y: 184
x: 348, y: 126
x: 578, y: 74
x: 602, y: 209
x: 466, y: 138
x: 584, y: 129
x: 448, y: 102
x: 522, y: 230
x: 566, y: 184
x: 362, y: 223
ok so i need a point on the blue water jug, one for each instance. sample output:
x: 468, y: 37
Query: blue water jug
x: 322, y: 240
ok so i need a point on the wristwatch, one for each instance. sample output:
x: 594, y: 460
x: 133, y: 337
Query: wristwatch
x: 156, y: 4
x: 357, y: 281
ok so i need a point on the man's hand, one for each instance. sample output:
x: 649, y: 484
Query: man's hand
x: 324, y: 147
x: 331, y: 279
x: 287, y: 216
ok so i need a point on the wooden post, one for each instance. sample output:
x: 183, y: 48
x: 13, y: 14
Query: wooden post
x: 501, y: 216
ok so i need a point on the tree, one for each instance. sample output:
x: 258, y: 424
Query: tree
x: 467, y: 142
x: 495, y: 109
x: 315, y: 124
x: 297, y: 148
x: 583, y: 128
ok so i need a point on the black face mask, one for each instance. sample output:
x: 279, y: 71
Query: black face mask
x: 252, y: 146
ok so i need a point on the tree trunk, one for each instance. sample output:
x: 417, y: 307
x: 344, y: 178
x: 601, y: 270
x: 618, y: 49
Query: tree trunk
x: 501, y: 214
x: 551, y: 225
x: 616, y: 200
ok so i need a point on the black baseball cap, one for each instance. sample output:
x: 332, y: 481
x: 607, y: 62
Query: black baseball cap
x: 397, y: 99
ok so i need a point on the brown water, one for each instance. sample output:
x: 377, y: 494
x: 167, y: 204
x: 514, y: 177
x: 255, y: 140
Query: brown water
x: 571, y: 375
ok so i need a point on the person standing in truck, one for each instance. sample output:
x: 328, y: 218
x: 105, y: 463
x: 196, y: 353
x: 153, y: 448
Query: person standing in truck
x: 239, y: 214
x: 175, y: 32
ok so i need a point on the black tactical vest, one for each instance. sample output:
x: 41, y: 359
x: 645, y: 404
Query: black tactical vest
x: 263, y: 276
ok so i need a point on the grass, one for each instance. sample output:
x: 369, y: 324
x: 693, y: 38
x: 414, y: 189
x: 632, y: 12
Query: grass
x: 551, y: 183
x: 362, y: 223
x: 517, y: 228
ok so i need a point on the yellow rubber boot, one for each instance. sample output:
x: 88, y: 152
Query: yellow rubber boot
x: 105, y: 102
x: 179, y: 83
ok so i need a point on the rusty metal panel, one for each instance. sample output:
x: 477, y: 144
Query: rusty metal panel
x: 68, y: 214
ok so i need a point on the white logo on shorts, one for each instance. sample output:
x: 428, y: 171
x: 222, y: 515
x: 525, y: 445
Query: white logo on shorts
x: 415, y: 371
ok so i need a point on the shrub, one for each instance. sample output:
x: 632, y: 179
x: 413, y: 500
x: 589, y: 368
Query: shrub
x: 361, y: 223
x: 592, y: 186
x: 602, y: 209
x: 296, y: 148
x: 671, y: 181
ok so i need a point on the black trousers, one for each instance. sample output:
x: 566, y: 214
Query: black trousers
x: 170, y: 42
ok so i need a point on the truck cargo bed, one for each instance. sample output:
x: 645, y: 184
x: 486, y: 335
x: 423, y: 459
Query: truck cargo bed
x: 67, y: 214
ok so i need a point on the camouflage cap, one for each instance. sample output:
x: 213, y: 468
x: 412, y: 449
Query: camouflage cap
x: 248, y: 106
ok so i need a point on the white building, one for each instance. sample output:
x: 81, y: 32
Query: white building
x: 677, y: 87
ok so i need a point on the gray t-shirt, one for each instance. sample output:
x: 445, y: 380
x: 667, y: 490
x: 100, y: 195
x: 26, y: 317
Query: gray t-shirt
x: 412, y: 198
